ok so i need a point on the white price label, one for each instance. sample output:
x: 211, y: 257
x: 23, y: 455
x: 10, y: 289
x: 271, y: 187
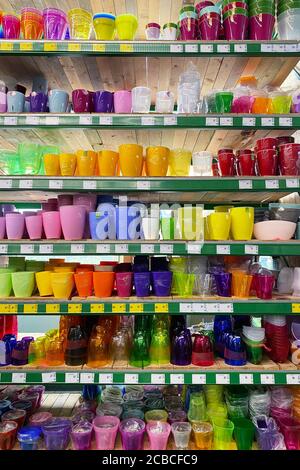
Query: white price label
x: 194, y: 248
x: 223, y: 48
x: 5, y: 184
x: 45, y: 249
x: 48, y: 377
x: 90, y: 185
x: 279, y: 48
x: 18, y: 378
x: 147, y: 249
x: 103, y: 249
x: 186, y: 308
x: 170, y: 121
x: 223, y: 249
x: 105, y: 379
x: 266, y: 48
x: 131, y: 379
x: 85, y: 120
x: 212, y: 121
x: 267, y: 122
x: 226, y: 121
x: 249, y: 122
x: 158, y: 379
x: 226, y: 308
x: 25, y: 184
x: 10, y: 121
x: 78, y: 248
x: 251, y: 250
x: 272, y: 184
x: 143, y: 185
x: 52, y: 121
x: 246, y: 379
x: 72, y: 378
x: 198, y: 379
x: 32, y: 120
x: 56, y: 184
x: 222, y: 379
x: 176, y: 48
x: 3, y: 249
x: 206, y: 48
x: 87, y: 378
x: 267, y: 379
x: 166, y: 249
x: 121, y: 248
x: 148, y: 121
x: 245, y: 184
x: 240, y: 48
x: 292, y: 183
x: 291, y: 47
x: 286, y: 122
x: 293, y: 379
x: 27, y: 249
x: 199, y: 308
x: 192, y: 48
x: 177, y: 379
x: 106, y: 120
x: 212, y: 308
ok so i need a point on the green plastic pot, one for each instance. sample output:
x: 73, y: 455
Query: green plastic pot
x: 5, y: 285
x: 244, y: 431
x: 23, y: 284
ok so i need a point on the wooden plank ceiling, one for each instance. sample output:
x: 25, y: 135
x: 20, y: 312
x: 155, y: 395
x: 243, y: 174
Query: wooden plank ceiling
x: 115, y: 73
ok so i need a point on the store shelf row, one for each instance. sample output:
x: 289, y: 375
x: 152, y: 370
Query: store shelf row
x: 151, y: 48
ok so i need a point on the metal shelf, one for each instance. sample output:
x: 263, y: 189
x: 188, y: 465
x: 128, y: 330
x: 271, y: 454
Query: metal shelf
x: 152, y: 48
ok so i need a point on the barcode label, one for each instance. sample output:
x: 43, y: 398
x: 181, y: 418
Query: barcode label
x: 245, y: 184
x: 246, y: 379
x: 56, y: 184
x: 27, y: 249
x: 26, y: 184
x: 268, y: 122
x: 272, y: 184
x: 18, y: 378
x: 90, y: 185
x: 131, y: 379
x: 10, y: 121
x: 121, y: 248
x: 5, y: 184
x: 105, y: 379
x: 72, y: 378
x: 158, y: 379
x: 45, y: 249
x: 170, y: 121
x: 177, y: 379
x: 85, y: 120
x: 103, y: 249
x: 223, y: 48
x: 48, y: 377
x: 226, y: 121
x: 249, y: 122
x: 186, y: 308
x: 147, y: 249
x: 166, y: 249
x: 176, y: 48
x: 78, y: 248
x: 143, y: 185
x: 199, y: 379
x: 267, y: 379
x: 211, y: 121
x: 32, y: 121
x: 223, y: 249
x: 52, y: 121
x: 292, y: 183
x: 105, y: 120
x: 240, y: 48
x: 147, y: 121
x: 87, y: 378
x: 222, y: 379
x: 192, y: 48
x: 251, y: 249
x: 206, y: 48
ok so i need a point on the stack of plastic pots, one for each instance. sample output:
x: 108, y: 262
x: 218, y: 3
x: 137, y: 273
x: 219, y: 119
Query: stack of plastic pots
x: 259, y: 402
x: 237, y: 401
x: 288, y: 12
x: 188, y: 23
x: 32, y: 24
x: 254, y: 341
x: 262, y: 19
x: 235, y: 19
x: 55, y: 23
x: 209, y: 23
x: 277, y: 338
x: 268, y: 436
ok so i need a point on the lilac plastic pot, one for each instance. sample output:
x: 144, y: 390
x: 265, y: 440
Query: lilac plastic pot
x: 34, y: 227
x: 103, y: 102
x: 38, y: 102
x: 162, y: 282
x: 124, y: 284
x: 15, y: 226
x: 73, y: 220
x: 236, y: 27
x: 56, y: 433
x: 142, y: 282
x: 209, y: 28
x: 122, y: 102
x: 261, y: 27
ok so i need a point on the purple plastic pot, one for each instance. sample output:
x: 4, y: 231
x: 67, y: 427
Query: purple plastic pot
x: 38, y: 102
x: 236, y: 27
x: 103, y: 102
x: 161, y: 283
x: 81, y: 436
x: 56, y: 433
x: 223, y: 282
x: 261, y: 27
x: 142, y: 283
x: 209, y: 27
x: 188, y: 29
x: 81, y: 101
x: 124, y: 284
x: 55, y: 24
x: 15, y: 225
x: 132, y: 433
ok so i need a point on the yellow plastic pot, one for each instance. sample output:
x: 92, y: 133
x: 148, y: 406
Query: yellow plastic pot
x: 219, y: 225
x: 242, y: 223
x: 67, y: 163
x: 81, y: 23
x: 191, y: 223
x: 62, y: 284
x: 108, y: 162
x: 157, y: 161
x: 180, y: 162
x: 131, y: 159
x: 43, y: 281
x: 51, y: 164
x: 86, y: 163
x: 126, y: 26
x: 104, y: 26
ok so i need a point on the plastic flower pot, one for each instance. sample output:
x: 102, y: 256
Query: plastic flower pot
x: 34, y: 227
x: 31, y: 23
x: 18, y: 416
x: 15, y: 225
x: 103, y: 101
x: 244, y: 431
x: 246, y: 164
x: 267, y: 161
x: 40, y: 418
x: 80, y: 23
x: 236, y: 27
x: 203, y: 435
x: 126, y: 26
x: 264, y: 285
x: 132, y: 433
x: 81, y: 436
x: 224, y: 101
x: 161, y: 283
x: 62, y: 284
x: 210, y: 28
x: 142, y: 284
x: 223, y: 430
x: 289, y: 159
x: 84, y: 283
x: 5, y: 406
x: 56, y: 433
x: 261, y: 27
x: 55, y: 24
x: 52, y: 225
x: 158, y: 434
x: 11, y: 26
x: 188, y: 29
x: 103, y: 284
x: 223, y: 282
x: 106, y: 429
x: 73, y: 219
x: 290, y: 429
x: 8, y: 431
x: 181, y: 433
x: 25, y: 405
x: 104, y: 26
x: 29, y: 438
x: 5, y: 285
x: 124, y: 282
x: 23, y: 284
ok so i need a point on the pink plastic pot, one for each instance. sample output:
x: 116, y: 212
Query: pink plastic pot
x: 209, y: 27
x: 122, y: 102
x: 73, y: 219
x: 11, y: 26
x: 34, y: 227
x: 124, y: 283
x: 236, y: 27
x: 261, y: 27
x: 2, y: 228
x: 188, y: 29
x: 15, y: 226
x: 52, y: 225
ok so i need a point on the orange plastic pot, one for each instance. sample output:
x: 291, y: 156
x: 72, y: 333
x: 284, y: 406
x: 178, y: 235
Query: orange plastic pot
x: 103, y: 283
x: 84, y: 283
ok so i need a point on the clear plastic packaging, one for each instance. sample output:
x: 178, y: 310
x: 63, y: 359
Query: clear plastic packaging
x: 189, y: 87
x: 259, y: 402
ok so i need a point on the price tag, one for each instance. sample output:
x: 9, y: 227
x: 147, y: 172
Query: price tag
x: 199, y: 308
x: 166, y: 249
x: 226, y: 121
x: 212, y: 122
x: 206, y: 48
x: 18, y: 378
x: 77, y: 248
x: 52, y: 308
x: 52, y: 121
x: 226, y: 308
x: 72, y: 378
x: 194, y: 248
x: 147, y: 121
x: 161, y: 308
x: 30, y: 308
x: 177, y: 379
x: 118, y: 308
x: 74, y: 308
x: 3, y: 249
x: 223, y: 48
x: 245, y: 184
x: 176, y: 48
x: 292, y: 183
x: 293, y: 379
x: 147, y: 249
x: 126, y: 48
x: 121, y: 248
x: 87, y: 378
x: 192, y: 48
x: 249, y: 122
x: 10, y: 121
x: 223, y: 249
x: 56, y: 184
x: 286, y: 122
x: 45, y: 249
x: 267, y: 379
x: 99, y: 47
x: 279, y: 48
x: 222, y: 379
x: 143, y: 185
x: 90, y: 185
x: 85, y: 120
x: 170, y: 121
x: 103, y: 249
x: 26, y: 46
x: 198, y: 379
x: 131, y: 379
x: 105, y: 379
x: 267, y: 122
x: 251, y: 250
x: 25, y: 184
x: 186, y: 308
x: 48, y: 377
x: 212, y: 308
x: 240, y: 48
x: 73, y: 47
x: 266, y: 48
x: 32, y: 121
x: 50, y: 46
x: 272, y: 184
x: 106, y: 120
x: 246, y: 379
x: 97, y: 308
x: 27, y: 249
x: 5, y: 184
x: 13, y: 308
x: 291, y: 47
x: 6, y: 46
x: 158, y: 379
x: 136, y: 308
